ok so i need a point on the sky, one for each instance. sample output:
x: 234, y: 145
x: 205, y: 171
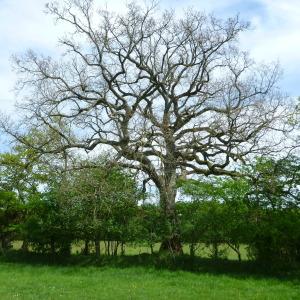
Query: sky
x: 274, y: 34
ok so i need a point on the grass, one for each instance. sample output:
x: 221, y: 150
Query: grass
x: 49, y: 282
x: 34, y: 276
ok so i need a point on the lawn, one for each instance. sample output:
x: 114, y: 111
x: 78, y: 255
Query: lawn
x: 135, y: 277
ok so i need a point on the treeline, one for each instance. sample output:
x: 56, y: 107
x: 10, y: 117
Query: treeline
x: 49, y: 212
x: 51, y: 226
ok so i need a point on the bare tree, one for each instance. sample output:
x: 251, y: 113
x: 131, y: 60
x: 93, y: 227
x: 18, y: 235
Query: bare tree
x: 172, y: 96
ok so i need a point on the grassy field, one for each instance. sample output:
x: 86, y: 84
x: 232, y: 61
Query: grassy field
x: 138, y: 277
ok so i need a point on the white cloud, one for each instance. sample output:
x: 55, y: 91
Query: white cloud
x: 22, y: 26
x: 275, y: 35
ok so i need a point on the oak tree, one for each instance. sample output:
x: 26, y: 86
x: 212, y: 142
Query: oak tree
x: 169, y: 95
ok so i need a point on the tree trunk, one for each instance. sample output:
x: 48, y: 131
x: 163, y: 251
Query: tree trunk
x: 97, y: 247
x: 236, y: 249
x: 116, y: 246
x: 2, y: 250
x: 151, y: 248
x: 52, y: 247
x: 66, y: 249
x: 86, y: 249
x: 171, y: 240
x: 172, y: 245
x: 25, y: 246
x: 106, y: 245
x: 5, y: 244
x: 215, y: 253
x: 239, y: 256
x: 192, y: 249
x: 122, y: 248
x: 108, y: 248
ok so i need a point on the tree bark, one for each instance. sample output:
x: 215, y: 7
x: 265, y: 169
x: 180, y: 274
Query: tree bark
x: 171, y: 240
x: 97, y: 247
x: 108, y: 248
x: 25, y: 246
x: 115, y: 248
x: 52, y: 247
x: 106, y: 245
x: 236, y: 249
x: 192, y: 249
x: 86, y: 249
x: 151, y: 248
x: 122, y: 248
x: 239, y: 256
x: 2, y: 247
x: 215, y: 254
x: 66, y: 249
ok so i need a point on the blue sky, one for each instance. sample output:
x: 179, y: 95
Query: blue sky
x: 274, y: 34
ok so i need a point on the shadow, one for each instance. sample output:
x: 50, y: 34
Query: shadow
x: 241, y: 270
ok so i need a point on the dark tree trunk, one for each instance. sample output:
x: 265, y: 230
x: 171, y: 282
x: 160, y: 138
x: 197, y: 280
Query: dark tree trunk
x: 5, y: 244
x: 86, y: 249
x: 192, y: 249
x: 122, y: 248
x: 2, y: 250
x: 215, y: 254
x: 25, y: 246
x: 151, y: 248
x: 66, y: 249
x: 239, y: 256
x: 236, y: 249
x: 172, y: 245
x: 115, y: 248
x: 97, y: 247
x: 108, y: 248
x: 52, y: 247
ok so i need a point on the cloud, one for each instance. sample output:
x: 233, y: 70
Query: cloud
x: 274, y: 34
x: 22, y: 26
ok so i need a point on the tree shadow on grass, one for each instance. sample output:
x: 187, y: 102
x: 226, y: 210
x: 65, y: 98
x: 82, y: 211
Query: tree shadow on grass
x: 241, y: 270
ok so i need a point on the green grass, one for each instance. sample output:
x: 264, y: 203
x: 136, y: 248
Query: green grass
x: 35, y: 276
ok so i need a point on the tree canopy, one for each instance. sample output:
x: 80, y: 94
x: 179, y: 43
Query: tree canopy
x: 171, y: 96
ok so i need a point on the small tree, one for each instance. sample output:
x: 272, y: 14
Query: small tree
x: 11, y: 210
x: 150, y: 225
x: 192, y: 227
x: 221, y: 210
x: 20, y: 173
x: 49, y: 224
x: 275, y: 182
x: 105, y: 201
x: 275, y: 209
